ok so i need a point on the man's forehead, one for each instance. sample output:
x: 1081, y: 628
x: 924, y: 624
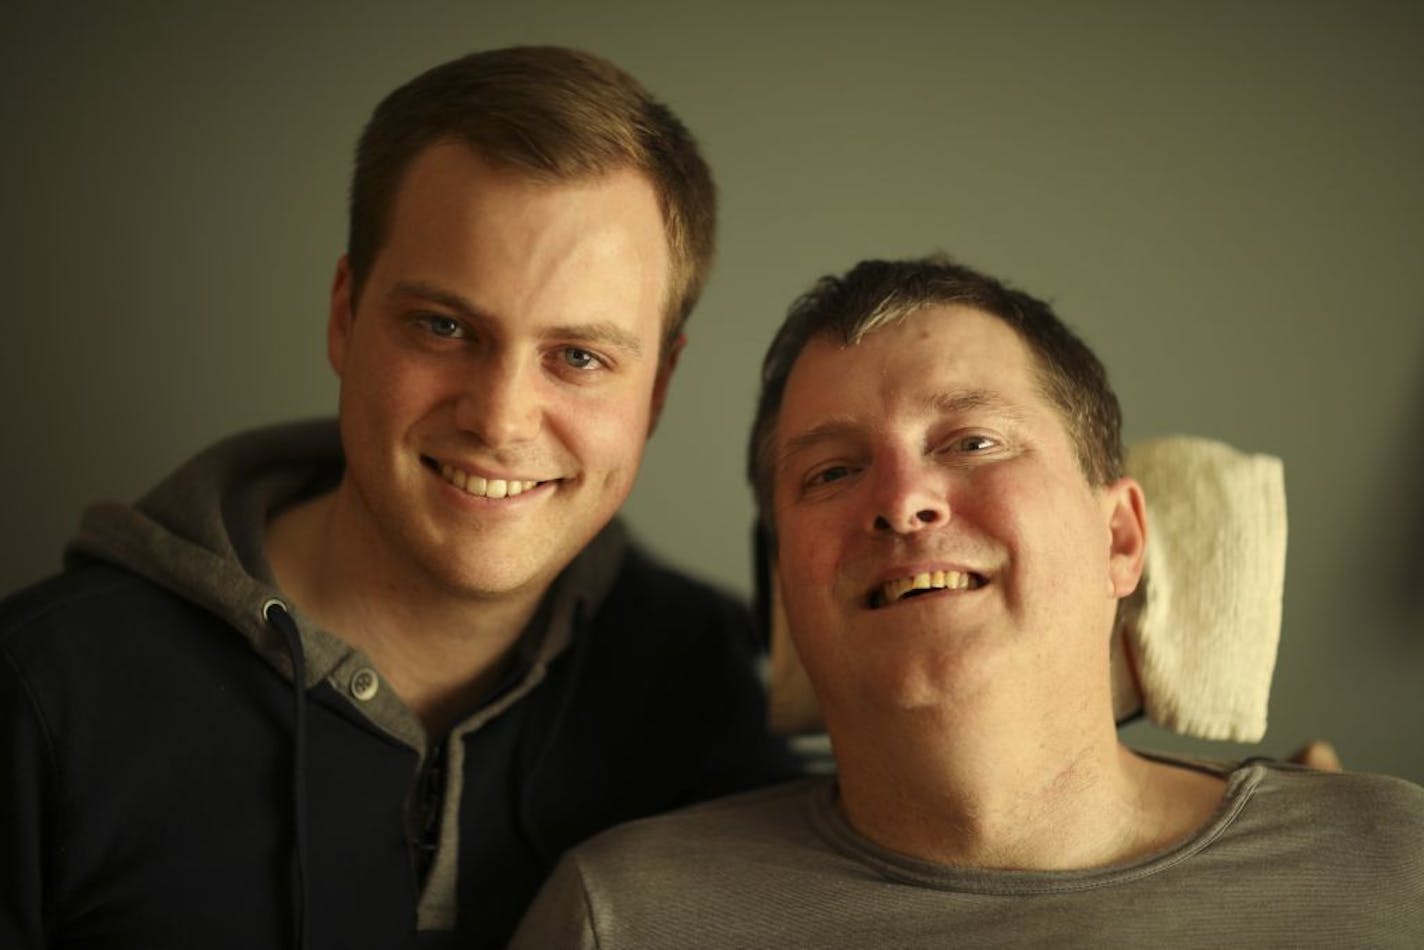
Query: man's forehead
x: 450, y: 166
x: 938, y: 360
x: 960, y: 351
x: 452, y: 184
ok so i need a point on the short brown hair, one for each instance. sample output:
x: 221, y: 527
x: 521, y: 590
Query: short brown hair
x: 557, y: 114
x: 874, y: 294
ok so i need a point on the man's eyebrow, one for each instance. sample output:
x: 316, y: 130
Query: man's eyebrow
x: 434, y: 294
x: 602, y: 332
x: 972, y: 399
x: 948, y: 403
x: 828, y: 431
x: 599, y: 332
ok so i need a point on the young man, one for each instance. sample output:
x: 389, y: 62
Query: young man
x: 939, y: 460
x: 361, y: 688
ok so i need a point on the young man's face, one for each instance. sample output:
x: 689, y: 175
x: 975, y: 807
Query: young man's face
x: 499, y: 376
x: 927, y: 456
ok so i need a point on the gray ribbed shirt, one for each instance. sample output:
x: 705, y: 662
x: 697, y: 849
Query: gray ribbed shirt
x: 1290, y: 858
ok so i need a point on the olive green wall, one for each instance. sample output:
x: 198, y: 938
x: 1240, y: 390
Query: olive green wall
x: 1225, y: 198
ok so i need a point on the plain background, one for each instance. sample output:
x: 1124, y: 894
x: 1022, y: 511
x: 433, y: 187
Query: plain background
x: 1225, y: 198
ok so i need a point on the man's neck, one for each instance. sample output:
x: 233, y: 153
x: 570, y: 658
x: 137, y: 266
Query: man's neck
x: 440, y: 651
x: 1003, y: 790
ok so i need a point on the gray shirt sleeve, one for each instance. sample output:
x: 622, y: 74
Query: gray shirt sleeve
x: 560, y: 916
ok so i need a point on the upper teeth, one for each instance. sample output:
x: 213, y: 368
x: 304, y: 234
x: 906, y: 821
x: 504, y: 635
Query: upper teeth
x: 891, y: 591
x: 485, y: 487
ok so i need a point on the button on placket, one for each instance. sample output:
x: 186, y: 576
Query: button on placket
x: 365, y: 684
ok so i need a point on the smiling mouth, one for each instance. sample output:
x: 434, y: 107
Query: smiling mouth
x: 478, y: 485
x: 903, y: 588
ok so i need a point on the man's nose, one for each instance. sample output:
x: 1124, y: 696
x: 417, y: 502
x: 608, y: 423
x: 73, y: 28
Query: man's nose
x: 909, y: 496
x: 500, y: 402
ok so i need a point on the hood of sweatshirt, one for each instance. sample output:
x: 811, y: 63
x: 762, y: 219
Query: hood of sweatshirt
x: 200, y: 534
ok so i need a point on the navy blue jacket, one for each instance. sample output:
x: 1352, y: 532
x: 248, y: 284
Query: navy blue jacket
x: 149, y: 799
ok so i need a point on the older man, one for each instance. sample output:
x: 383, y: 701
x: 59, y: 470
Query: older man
x: 360, y: 688
x: 939, y: 460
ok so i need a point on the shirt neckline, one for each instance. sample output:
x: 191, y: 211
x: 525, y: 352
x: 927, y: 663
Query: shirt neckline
x: 828, y: 822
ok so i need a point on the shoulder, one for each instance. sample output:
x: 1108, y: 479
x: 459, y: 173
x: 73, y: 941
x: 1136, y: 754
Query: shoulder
x: 656, y: 703
x: 76, y: 599
x: 770, y: 825
x: 1300, y: 782
x: 1339, y: 849
x: 96, y: 624
x: 690, y: 876
x: 59, y: 648
x: 780, y: 810
x: 1369, y: 822
x: 711, y: 875
x: 1359, y: 800
x: 647, y: 596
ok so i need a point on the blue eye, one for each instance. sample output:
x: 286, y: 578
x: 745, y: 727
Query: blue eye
x: 445, y: 327
x: 580, y: 358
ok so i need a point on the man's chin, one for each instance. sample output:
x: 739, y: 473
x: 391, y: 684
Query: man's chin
x: 480, y: 579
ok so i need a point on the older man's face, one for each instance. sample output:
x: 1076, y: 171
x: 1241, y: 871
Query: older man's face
x: 936, y: 533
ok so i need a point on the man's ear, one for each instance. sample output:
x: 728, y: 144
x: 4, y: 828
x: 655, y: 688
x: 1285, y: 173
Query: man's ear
x: 660, y: 385
x: 1126, y: 510
x: 340, y: 317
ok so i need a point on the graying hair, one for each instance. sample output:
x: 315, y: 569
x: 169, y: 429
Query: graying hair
x: 875, y: 294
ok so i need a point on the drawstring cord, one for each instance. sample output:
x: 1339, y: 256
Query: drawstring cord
x: 275, y: 613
